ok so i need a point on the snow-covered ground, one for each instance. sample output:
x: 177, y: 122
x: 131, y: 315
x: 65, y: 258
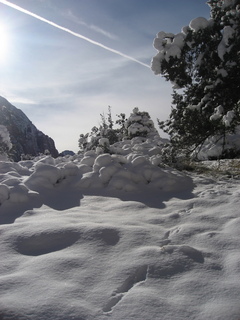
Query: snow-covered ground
x: 99, y: 237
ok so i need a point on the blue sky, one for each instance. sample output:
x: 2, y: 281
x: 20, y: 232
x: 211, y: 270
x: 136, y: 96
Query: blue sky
x: 63, y: 83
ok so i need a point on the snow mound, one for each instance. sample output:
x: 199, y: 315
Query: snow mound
x: 213, y: 147
x: 130, y: 175
x: 75, y: 249
x: 135, y: 165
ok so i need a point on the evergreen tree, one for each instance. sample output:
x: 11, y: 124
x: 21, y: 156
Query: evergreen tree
x: 139, y: 124
x: 91, y: 141
x: 204, y: 62
x: 5, y: 142
x: 121, y: 122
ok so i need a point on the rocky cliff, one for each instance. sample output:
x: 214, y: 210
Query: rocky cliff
x: 25, y: 137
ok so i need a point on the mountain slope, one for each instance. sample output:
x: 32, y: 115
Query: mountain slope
x: 25, y: 137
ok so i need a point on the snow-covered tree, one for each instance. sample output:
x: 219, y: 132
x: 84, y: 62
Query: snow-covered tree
x: 203, y: 61
x: 139, y: 124
x: 121, y: 122
x: 99, y: 137
x: 5, y: 142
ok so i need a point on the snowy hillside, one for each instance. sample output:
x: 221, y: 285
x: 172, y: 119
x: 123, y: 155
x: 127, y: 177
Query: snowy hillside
x: 117, y: 237
x: 25, y: 138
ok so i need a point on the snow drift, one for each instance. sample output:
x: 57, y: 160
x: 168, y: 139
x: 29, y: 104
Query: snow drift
x: 100, y: 236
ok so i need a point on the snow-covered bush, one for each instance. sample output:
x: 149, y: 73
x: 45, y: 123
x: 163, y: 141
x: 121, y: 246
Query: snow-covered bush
x: 139, y: 124
x: 93, y: 140
x: 132, y: 172
x: 5, y: 142
x: 203, y: 61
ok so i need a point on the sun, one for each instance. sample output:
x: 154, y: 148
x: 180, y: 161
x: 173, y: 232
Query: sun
x: 4, y: 44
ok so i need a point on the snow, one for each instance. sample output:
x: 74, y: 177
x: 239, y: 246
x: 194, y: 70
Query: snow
x: 140, y: 123
x: 227, y: 119
x: 213, y: 146
x: 222, y: 72
x: 198, y: 24
x: 228, y: 33
x: 5, y: 138
x: 173, y: 51
x: 223, y: 47
x: 169, y: 46
x: 120, y: 236
x: 5, y: 142
x: 218, y: 113
x: 227, y: 3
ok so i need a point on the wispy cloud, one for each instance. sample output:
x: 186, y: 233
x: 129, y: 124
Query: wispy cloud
x: 24, y: 101
x: 14, y: 6
x: 93, y: 27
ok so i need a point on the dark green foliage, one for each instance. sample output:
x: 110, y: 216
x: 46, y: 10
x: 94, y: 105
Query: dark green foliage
x: 207, y: 72
x: 91, y: 141
x: 121, y: 122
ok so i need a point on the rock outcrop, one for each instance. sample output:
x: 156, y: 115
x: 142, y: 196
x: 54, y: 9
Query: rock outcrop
x: 25, y: 137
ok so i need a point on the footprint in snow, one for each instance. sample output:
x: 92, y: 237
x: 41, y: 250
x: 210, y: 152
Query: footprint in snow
x: 139, y: 275
x: 178, y: 258
x: 44, y: 242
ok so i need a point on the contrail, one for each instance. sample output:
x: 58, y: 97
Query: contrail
x: 14, y: 6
